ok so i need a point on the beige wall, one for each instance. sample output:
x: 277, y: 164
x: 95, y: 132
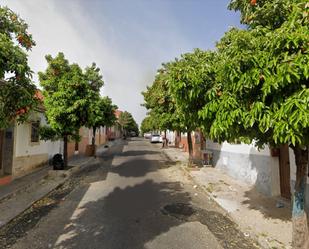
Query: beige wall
x: 24, y: 164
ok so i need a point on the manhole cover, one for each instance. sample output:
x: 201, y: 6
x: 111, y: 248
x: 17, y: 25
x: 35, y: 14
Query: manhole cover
x: 179, y: 209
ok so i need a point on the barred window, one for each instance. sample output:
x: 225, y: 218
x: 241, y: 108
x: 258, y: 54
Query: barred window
x: 35, y: 125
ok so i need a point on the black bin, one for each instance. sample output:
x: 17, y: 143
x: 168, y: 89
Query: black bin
x: 57, y: 162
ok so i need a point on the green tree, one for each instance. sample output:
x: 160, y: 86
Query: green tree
x: 102, y: 113
x: 263, y: 82
x: 189, y: 79
x: 147, y: 124
x: 162, y: 113
x: 67, y: 97
x: 95, y: 113
x: 267, y: 13
x: 16, y: 89
x: 127, y: 123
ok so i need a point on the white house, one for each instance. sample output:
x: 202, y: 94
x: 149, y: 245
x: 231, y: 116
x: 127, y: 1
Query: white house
x: 22, y: 150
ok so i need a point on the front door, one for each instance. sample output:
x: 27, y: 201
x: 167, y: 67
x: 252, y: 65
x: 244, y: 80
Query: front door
x: 284, y: 168
x: 7, y: 151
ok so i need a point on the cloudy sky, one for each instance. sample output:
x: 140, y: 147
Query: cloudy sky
x: 128, y: 39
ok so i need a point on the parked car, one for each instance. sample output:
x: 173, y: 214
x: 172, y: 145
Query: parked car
x: 133, y: 134
x: 147, y: 135
x: 155, y: 138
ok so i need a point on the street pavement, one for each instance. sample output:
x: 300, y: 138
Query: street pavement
x: 134, y: 198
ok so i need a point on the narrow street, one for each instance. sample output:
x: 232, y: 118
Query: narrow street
x: 134, y: 197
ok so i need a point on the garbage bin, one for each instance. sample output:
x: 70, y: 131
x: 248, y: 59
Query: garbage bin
x: 57, y: 162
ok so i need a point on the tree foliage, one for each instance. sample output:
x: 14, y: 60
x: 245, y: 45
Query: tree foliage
x: 67, y: 98
x: 16, y: 89
x: 263, y: 80
x: 189, y: 79
x: 66, y: 95
x: 127, y: 123
x: 149, y: 124
x: 162, y: 109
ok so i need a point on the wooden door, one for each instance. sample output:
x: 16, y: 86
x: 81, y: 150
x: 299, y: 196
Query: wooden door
x: 284, y: 169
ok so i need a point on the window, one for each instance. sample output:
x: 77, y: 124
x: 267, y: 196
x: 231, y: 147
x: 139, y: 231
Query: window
x: 35, y: 125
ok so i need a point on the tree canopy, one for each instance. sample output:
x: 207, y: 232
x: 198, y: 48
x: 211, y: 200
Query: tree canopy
x: 67, y: 98
x: 127, y: 123
x: 17, y: 92
x: 67, y: 95
x: 162, y: 109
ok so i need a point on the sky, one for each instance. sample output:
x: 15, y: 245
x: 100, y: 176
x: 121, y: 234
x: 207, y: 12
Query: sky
x: 127, y: 39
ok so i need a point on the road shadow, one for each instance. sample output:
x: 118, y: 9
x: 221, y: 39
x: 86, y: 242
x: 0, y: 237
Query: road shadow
x: 135, y: 168
x: 268, y: 205
x: 138, y: 153
x: 125, y: 218
x: 259, y: 197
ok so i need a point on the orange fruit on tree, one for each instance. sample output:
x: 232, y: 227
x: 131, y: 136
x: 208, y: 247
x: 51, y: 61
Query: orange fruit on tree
x: 253, y: 2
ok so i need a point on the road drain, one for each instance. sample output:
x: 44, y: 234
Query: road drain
x: 178, y: 210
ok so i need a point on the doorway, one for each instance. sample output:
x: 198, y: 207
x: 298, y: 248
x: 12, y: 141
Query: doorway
x: 7, y: 151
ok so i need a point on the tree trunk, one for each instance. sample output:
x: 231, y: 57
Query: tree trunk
x: 177, y: 139
x: 76, y: 147
x: 76, y: 144
x: 94, y: 129
x: 65, y: 150
x: 190, y: 147
x: 299, y: 216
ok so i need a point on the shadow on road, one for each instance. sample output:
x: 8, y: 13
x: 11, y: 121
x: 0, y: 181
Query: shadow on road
x: 139, y: 153
x: 136, y: 168
x: 128, y: 217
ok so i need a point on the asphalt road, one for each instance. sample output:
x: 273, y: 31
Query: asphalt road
x: 128, y: 202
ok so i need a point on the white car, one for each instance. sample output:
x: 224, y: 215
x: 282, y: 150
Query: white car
x: 147, y: 135
x: 155, y: 138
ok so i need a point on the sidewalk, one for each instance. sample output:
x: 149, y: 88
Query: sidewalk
x: 267, y: 219
x: 21, y: 193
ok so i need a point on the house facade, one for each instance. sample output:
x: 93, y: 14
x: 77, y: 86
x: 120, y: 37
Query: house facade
x: 22, y: 150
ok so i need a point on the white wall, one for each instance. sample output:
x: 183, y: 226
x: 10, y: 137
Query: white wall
x: 248, y: 164
x: 238, y: 148
x: 171, y: 137
x: 23, y: 145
